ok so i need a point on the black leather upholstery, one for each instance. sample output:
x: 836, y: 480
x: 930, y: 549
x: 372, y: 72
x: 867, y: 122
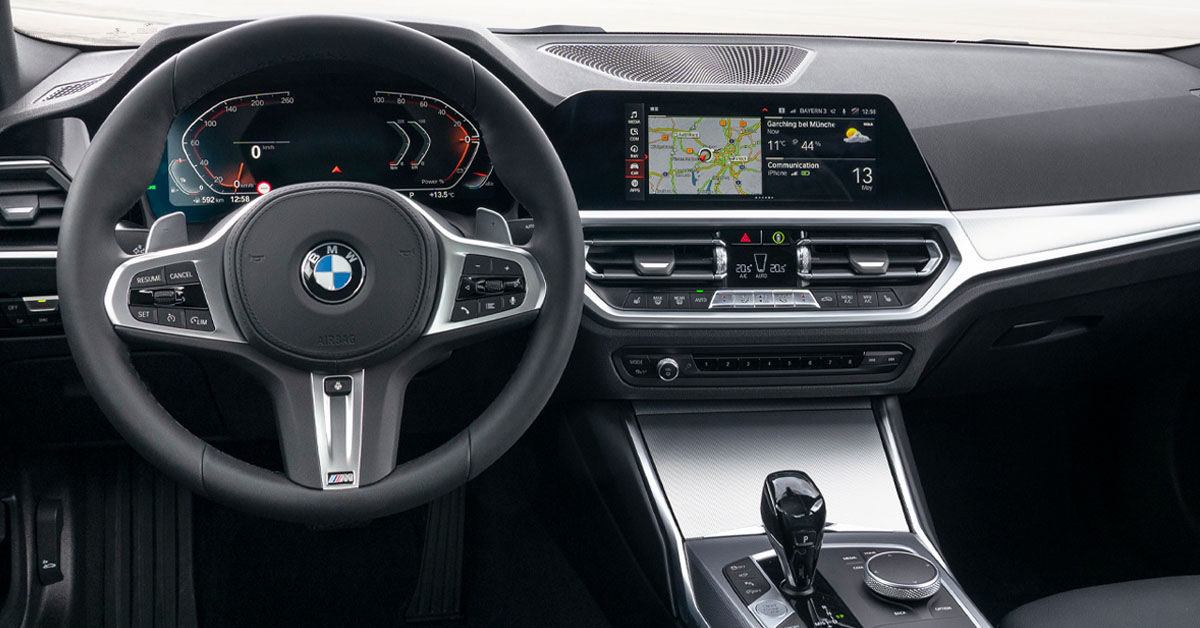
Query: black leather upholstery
x: 1161, y: 603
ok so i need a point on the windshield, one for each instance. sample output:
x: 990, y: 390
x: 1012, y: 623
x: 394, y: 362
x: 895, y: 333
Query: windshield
x: 1127, y: 24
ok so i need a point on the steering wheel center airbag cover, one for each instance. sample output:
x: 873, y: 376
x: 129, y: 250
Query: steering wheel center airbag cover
x: 389, y: 253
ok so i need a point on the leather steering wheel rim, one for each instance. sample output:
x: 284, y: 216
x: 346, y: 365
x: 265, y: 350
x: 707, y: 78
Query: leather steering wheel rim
x: 123, y: 159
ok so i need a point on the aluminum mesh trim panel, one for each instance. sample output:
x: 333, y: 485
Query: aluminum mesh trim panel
x: 695, y: 64
x: 71, y: 89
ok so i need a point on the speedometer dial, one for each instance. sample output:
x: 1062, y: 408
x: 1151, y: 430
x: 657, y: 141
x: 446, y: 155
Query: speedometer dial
x: 220, y: 145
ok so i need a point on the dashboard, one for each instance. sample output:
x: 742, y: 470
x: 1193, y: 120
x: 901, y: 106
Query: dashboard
x: 295, y: 125
x: 854, y: 206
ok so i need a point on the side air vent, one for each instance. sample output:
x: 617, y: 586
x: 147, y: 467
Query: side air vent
x: 32, y: 194
x: 876, y: 258
x: 614, y: 258
x: 691, y: 64
x: 71, y: 89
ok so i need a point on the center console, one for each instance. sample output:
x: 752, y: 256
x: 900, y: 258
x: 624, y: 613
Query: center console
x: 805, y: 517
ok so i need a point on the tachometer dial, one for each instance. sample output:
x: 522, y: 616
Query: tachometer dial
x: 433, y: 144
x: 222, y: 148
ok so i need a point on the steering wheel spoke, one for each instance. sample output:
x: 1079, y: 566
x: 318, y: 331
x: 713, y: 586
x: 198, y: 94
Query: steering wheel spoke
x: 175, y: 296
x: 485, y: 286
x: 339, y: 430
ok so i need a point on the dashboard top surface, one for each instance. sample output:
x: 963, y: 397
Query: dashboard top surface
x: 999, y: 125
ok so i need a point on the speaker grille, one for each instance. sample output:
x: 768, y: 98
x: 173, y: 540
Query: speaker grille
x: 696, y: 64
x: 71, y: 89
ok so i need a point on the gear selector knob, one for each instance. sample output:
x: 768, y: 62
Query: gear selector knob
x: 793, y: 514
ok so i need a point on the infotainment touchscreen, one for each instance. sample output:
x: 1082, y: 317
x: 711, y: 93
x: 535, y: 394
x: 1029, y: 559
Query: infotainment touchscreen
x: 641, y: 150
x: 787, y: 153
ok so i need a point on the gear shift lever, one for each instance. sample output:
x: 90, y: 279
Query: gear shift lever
x: 793, y: 513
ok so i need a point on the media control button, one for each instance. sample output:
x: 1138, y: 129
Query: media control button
x: 637, y: 365
x: 148, y: 279
x: 477, y: 265
x: 506, y: 268
x: 181, y: 273
x: 490, y: 305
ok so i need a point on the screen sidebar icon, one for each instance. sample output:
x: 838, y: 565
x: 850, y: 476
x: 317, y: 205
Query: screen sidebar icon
x: 635, y: 152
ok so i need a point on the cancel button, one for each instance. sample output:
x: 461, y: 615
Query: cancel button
x: 181, y: 273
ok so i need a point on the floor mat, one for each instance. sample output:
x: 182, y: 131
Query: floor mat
x: 258, y: 573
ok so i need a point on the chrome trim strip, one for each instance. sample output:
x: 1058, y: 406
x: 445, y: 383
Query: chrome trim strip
x: 980, y: 242
x: 683, y: 595
x: 338, y: 421
x: 908, y: 502
x: 28, y: 254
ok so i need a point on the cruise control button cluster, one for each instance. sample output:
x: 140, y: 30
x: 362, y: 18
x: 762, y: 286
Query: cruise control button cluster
x: 488, y: 285
x: 171, y: 296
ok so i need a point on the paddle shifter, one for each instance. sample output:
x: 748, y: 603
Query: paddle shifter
x: 793, y: 513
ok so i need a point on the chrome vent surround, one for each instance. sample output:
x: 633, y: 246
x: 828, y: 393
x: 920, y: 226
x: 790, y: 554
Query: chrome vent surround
x: 639, y: 258
x: 71, y: 89
x: 860, y: 257
x: 688, y: 64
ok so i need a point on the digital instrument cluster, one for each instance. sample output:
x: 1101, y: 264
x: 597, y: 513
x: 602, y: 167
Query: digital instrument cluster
x: 243, y: 142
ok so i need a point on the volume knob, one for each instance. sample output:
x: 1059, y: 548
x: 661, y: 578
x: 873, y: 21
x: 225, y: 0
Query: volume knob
x: 902, y: 576
x: 668, y: 369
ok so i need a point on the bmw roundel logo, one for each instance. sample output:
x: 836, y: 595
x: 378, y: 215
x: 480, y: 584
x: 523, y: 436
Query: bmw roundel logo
x: 332, y: 272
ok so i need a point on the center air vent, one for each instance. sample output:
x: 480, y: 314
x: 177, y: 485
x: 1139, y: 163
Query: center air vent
x: 830, y: 258
x: 691, y: 64
x: 615, y: 258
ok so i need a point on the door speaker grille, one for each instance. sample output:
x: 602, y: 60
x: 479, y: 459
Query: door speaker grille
x: 696, y: 64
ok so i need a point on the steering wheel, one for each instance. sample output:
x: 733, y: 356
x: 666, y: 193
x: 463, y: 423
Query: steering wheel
x: 334, y: 294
